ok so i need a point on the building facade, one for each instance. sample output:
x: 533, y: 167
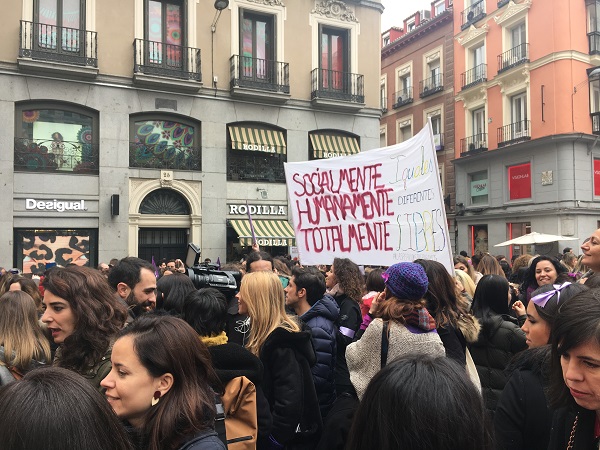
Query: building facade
x: 417, y: 85
x: 139, y: 127
x: 526, y: 154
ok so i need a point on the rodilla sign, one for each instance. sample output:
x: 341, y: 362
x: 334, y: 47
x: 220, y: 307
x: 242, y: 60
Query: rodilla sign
x: 55, y: 205
x: 377, y: 207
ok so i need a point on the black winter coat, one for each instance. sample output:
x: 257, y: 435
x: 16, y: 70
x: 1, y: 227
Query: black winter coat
x: 562, y: 426
x: 231, y: 361
x: 347, y: 325
x: 321, y: 318
x: 523, y: 420
x: 499, y: 340
x: 290, y: 390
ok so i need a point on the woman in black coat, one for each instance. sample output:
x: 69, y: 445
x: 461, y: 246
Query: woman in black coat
x: 500, y: 337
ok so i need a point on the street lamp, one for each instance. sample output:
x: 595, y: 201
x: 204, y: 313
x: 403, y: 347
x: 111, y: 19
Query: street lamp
x: 220, y: 5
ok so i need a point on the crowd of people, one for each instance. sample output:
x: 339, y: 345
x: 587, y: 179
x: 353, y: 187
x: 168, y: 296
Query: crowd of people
x: 497, y: 355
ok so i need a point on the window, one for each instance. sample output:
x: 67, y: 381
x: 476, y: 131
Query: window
x: 162, y: 143
x: 164, y: 29
x: 515, y: 230
x: 478, y: 237
x: 59, y: 25
x: 479, y: 62
x: 255, y: 152
x: 436, y: 127
x: 404, y: 131
x: 61, y: 139
x: 334, y: 58
x: 593, y: 16
x: 257, y: 46
x: 382, y: 137
x: 478, y: 183
x: 478, y: 123
x: 518, y: 40
x: 518, y: 113
x: 386, y: 40
x: 410, y: 25
x: 439, y: 7
x: 383, y: 95
x: 596, y: 177
x: 519, y: 181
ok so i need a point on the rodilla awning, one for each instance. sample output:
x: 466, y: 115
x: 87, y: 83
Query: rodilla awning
x: 331, y: 145
x: 269, y: 233
x: 257, y: 140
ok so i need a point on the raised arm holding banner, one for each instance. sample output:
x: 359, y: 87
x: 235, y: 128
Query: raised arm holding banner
x: 378, y: 207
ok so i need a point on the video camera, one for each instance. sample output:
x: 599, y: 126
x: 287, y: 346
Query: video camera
x: 209, y: 276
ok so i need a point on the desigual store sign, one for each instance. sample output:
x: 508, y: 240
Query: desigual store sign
x: 55, y: 205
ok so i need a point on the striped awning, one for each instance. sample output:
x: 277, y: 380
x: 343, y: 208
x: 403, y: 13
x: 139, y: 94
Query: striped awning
x: 269, y: 233
x: 332, y: 145
x: 257, y: 140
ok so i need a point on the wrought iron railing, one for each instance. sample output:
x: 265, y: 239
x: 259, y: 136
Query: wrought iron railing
x: 335, y: 85
x: 243, y: 165
x: 402, y: 97
x: 501, y: 3
x: 431, y: 85
x: 164, y: 156
x: 514, y: 133
x: 474, y: 144
x: 166, y: 60
x: 595, y: 122
x: 471, y: 77
x: 262, y: 74
x: 594, y: 41
x: 513, y: 57
x: 47, y: 155
x: 472, y: 14
x: 60, y: 44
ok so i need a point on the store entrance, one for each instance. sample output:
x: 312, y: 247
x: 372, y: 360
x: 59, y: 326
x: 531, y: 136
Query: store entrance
x: 167, y: 243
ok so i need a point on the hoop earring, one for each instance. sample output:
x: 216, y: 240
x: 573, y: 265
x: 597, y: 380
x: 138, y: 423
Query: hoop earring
x: 155, y: 398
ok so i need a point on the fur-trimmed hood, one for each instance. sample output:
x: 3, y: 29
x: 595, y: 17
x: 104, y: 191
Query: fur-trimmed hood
x: 470, y: 327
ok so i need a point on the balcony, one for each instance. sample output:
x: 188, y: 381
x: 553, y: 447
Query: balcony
x: 161, y: 65
x: 255, y: 166
x: 595, y: 123
x: 431, y: 85
x: 164, y: 156
x: 514, y: 57
x: 337, y: 90
x: 472, y: 14
x: 514, y: 133
x: 501, y: 3
x: 474, y: 76
x: 594, y: 41
x: 52, y: 49
x: 257, y: 78
x: 473, y: 144
x: 403, y: 97
x: 37, y: 155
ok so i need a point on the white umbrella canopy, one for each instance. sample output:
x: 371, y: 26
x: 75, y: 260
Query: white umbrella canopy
x: 535, y: 238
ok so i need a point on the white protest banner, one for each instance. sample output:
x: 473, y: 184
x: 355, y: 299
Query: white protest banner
x: 378, y: 207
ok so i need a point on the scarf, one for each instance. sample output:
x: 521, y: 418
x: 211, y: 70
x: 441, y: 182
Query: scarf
x: 210, y: 341
x: 336, y: 290
x: 421, y: 319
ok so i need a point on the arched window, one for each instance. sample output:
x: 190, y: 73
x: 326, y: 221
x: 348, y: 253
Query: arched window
x: 165, y: 201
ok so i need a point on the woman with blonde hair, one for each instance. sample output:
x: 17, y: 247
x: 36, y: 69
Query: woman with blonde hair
x: 465, y: 286
x: 287, y: 354
x: 23, y: 345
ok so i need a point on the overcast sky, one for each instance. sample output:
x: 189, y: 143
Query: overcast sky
x: 398, y: 10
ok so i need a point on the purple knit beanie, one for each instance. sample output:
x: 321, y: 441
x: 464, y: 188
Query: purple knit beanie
x: 406, y: 281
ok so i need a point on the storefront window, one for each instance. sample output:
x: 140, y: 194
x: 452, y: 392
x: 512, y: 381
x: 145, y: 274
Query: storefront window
x: 38, y: 250
x: 519, y: 181
x: 55, y: 140
x: 478, y: 185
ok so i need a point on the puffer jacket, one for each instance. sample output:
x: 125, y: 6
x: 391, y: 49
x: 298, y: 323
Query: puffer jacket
x: 321, y: 319
x: 500, y: 339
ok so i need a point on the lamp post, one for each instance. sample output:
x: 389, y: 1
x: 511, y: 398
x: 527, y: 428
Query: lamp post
x: 220, y: 5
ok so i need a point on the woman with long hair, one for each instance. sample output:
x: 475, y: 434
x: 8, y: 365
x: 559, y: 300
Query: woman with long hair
x: 21, y: 283
x: 574, y: 379
x: 56, y: 409
x: 488, y: 265
x: 287, y: 354
x: 171, y: 292
x: 542, y: 270
x: 419, y: 402
x: 462, y: 263
x: 465, y: 287
x: 402, y: 325
x: 500, y: 337
x: 83, y: 316
x: 345, y: 284
x: 454, y: 324
x: 523, y: 419
x: 23, y: 345
x: 160, y: 385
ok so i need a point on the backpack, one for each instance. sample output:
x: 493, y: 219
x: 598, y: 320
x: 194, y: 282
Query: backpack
x: 237, y: 408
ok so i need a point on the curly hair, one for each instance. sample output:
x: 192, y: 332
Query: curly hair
x: 394, y: 309
x: 349, y: 278
x: 99, y: 315
x: 530, y: 275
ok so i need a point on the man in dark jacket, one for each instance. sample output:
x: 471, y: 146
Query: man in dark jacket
x: 305, y: 293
